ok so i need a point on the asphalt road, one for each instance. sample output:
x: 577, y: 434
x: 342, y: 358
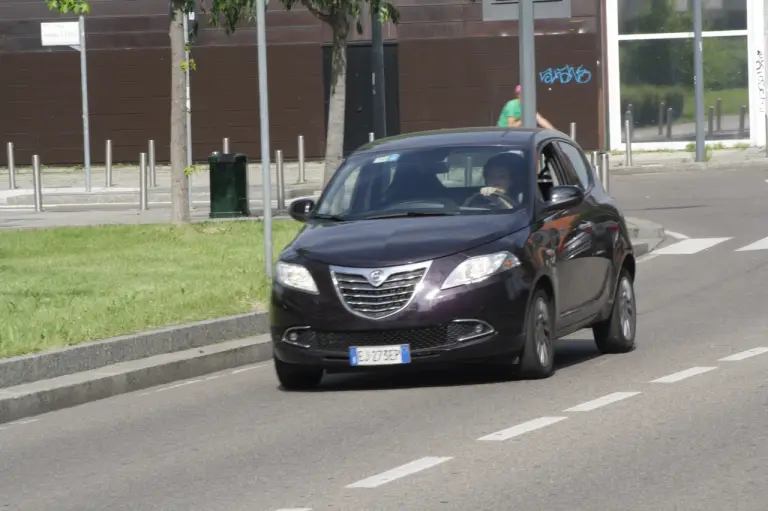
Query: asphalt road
x: 675, y: 425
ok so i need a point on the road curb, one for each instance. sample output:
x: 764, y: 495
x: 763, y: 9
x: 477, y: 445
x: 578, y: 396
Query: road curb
x: 661, y: 168
x: 76, y: 389
x: 94, y: 355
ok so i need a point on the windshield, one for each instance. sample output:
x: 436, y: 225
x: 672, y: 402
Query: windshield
x: 431, y: 181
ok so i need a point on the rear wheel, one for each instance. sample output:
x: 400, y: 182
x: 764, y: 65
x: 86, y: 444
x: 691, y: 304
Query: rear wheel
x: 296, y: 377
x: 538, y: 357
x: 617, y: 333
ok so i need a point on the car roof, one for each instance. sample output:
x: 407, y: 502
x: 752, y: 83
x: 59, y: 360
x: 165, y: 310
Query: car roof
x: 517, y: 137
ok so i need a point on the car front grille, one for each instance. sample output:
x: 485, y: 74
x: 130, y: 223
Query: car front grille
x: 392, y: 294
x: 438, y: 336
x: 417, y: 338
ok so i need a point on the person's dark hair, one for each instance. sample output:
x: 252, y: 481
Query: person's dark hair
x: 512, y: 162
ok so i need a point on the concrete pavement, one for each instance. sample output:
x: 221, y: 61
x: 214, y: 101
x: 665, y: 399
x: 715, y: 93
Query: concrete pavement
x: 680, y: 423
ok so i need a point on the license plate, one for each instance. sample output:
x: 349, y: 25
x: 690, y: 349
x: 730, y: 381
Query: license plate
x: 379, y: 355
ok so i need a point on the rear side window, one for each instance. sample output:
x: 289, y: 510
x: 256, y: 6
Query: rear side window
x: 579, y: 163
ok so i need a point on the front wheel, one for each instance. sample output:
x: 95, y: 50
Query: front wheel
x: 296, y: 377
x: 538, y: 357
x: 617, y: 333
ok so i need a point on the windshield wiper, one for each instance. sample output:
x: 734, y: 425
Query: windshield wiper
x: 410, y: 213
x: 333, y: 218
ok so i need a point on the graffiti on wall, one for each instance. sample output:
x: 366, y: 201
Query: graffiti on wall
x: 760, y: 71
x: 565, y: 75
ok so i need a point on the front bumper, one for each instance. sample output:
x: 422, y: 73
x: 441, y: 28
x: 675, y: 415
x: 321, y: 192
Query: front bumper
x: 470, y: 323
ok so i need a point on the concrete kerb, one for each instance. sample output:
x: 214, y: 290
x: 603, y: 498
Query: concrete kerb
x: 94, y: 355
x: 690, y: 166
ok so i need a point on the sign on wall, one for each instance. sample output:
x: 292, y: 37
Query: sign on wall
x: 60, y: 33
x: 500, y: 10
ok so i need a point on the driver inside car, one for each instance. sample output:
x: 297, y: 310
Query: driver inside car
x: 499, y: 172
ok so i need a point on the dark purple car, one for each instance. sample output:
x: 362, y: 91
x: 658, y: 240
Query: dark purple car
x: 455, y: 246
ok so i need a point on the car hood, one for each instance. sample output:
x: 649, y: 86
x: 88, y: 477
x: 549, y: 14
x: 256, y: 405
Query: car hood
x: 393, y: 241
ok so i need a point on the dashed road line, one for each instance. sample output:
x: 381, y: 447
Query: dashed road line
x: 758, y: 245
x: 521, y: 429
x: 249, y: 368
x: 183, y: 384
x: 682, y: 375
x: 690, y: 246
x: 601, y: 401
x: 295, y: 509
x: 400, y: 472
x: 677, y: 235
x: 738, y: 357
x: 17, y: 423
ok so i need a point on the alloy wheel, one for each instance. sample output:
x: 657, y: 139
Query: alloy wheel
x: 626, y: 308
x: 542, y: 333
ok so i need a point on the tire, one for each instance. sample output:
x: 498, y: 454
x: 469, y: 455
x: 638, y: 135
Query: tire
x: 617, y: 333
x: 537, y: 361
x: 295, y: 377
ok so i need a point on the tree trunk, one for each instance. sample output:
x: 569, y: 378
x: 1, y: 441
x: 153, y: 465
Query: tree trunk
x: 179, y: 178
x: 334, y: 141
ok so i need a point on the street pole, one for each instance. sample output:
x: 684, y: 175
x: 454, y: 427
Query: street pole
x: 377, y: 77
x: 266, y: 182
x: 527, y: 49
x: 84, y: 90
x: 698, y: 80
x: 188, y: 100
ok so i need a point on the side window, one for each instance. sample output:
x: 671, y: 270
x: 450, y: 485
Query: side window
x: 549, y: 172
x: 578, y: 163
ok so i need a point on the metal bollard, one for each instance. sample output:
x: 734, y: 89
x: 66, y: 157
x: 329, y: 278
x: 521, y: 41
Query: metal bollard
x: 302, y: 168
x: 605, y: 172
x: 742, y: 118
x: 766, y: 134
x: 711, y: 121
x: 662, y: 109
x: 371, y: 137
x: 108, y: 164
x: 719, y: 110
x: 143, y: 192
x: 280, y: 180
x: 11, y: 167
x: 593, y: 156
x: 152, y: 164
x: 628, y: 143
x: 573, y: 131
x: 225, y: 146
x: 37, y: 183
x: 670, y: 112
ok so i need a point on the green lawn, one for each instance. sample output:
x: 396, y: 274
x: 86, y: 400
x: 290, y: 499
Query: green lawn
x: 732, y: 99
x: 65, y: 286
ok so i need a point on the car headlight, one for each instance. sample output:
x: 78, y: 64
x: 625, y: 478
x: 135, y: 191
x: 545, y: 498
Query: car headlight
x: 478, y: 268
x: 295, y: 276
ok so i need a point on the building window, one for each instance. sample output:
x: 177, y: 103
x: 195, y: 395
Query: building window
x: 656, y: 69
x: 670, y: 16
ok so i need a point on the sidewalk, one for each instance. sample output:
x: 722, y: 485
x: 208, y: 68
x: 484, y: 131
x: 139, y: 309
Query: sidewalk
x: 717, y: 157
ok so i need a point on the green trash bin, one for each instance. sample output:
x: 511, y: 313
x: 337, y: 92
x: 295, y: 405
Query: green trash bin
x: 229, y: 185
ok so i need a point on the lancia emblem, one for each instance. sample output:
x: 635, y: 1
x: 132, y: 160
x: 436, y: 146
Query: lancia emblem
x: 375, y: 277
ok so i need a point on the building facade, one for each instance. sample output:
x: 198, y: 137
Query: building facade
x: 449, y: 63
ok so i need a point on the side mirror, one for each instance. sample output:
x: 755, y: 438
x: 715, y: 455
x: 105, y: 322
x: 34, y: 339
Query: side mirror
x: 300, y: 209
x: 564, y: 197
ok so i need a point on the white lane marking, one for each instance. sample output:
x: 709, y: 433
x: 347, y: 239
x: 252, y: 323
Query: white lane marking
x: 736, y: 357
x: 677, y: 235
x: 521, y: 429
x: 295, y: 509
x: 249, y: 368
x: 212, y: 377
x: 758, y: 245
x: 17, y: 423
x: 682, y: 375
x: 690, y: 246
x: 601, y: 401
x: 399, y: 472
x: 190, y: 382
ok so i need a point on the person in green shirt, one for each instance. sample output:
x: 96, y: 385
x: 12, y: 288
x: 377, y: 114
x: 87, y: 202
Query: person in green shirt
x: 512, y: 113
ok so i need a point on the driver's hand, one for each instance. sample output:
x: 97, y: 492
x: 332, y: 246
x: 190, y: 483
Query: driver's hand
x: 488, y: 190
